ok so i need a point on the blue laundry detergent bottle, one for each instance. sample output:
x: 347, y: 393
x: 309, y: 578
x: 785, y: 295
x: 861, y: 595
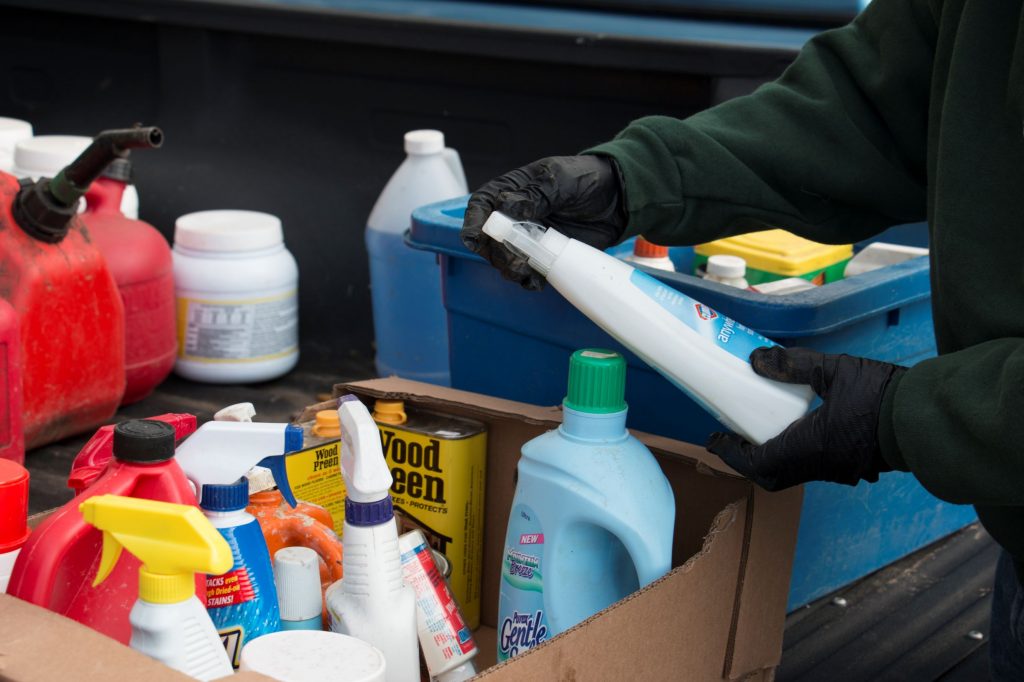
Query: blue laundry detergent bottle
x: 592, y: 517
x: 242, y: 602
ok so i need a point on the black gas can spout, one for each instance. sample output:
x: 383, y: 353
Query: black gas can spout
x: 45, y: 208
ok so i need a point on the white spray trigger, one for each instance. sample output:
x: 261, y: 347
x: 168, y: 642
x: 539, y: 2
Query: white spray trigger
x: 219, y: 453
x: 366, y: 474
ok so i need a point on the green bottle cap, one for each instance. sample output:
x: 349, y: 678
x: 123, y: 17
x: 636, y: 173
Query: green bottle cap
x: 597, y: 381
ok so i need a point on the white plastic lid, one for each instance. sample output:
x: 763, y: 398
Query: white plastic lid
x: 228, y: 230
x: 46, y: 155
x: 728, y: 267
x: 297, y: 576
x: 424, y: 142
x: 12, y: 131
x: 313, y: 656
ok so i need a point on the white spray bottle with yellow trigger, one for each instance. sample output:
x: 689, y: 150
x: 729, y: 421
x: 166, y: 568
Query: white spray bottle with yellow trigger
x: 242, y: 600
x: 372, y: 602
x: 173, y: 542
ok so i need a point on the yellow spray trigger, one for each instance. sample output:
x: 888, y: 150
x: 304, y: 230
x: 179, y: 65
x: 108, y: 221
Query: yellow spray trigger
x: 173, y: 542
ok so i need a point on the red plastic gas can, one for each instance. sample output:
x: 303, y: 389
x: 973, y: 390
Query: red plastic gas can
x: 12, y: 441
x: 57, y: 565
x: 72, y: 326
x: 140, y: 260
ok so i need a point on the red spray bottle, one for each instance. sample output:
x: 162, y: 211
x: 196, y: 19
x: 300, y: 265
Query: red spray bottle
x: 139, y: 258
x: 56, y: 566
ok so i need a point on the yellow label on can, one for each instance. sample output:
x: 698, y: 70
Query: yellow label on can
x: 315, y: 476
x: 438, y: 489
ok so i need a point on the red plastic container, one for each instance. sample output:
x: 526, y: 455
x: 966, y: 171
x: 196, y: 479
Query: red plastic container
x: 140, y: 260
x: 57, y: 565
x: 95, y: 456
x: 12, y: 441
x: 72, y: 327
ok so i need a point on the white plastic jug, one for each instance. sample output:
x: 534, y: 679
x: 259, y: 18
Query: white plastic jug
x: 409, y: 319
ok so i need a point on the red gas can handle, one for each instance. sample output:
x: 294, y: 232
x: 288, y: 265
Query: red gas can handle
x: 96, y: 454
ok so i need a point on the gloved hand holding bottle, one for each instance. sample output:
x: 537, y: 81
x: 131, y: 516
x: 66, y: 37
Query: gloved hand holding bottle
x: 582, y: 197
x: 836, y: 442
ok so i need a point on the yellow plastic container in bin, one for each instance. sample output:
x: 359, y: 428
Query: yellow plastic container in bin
x: 777, y: 254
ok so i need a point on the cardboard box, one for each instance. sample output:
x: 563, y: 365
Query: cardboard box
x: 718, y: 615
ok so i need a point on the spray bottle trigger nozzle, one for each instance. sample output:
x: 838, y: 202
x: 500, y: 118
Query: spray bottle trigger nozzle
x: 276, y: 464
x: 108, y: 558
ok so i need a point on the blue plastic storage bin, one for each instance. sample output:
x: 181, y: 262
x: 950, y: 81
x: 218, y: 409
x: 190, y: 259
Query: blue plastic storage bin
x: 515, y: 344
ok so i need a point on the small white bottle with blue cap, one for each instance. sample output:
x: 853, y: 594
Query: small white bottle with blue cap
x: 243, y: 602
x: 372, y: 602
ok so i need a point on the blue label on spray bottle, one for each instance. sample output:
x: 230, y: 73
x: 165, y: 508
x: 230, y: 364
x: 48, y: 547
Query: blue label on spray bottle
x: 522, y: 623
x: 243, y: 602
x: 725, y: 332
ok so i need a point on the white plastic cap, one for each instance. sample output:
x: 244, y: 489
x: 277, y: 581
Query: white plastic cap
x: 424, y: 142
x: 297, y: 576
x: 306, y: 655
x: 46, y: 155
x: 363, y: 467
x: 459, y: 673
x: 260, y: 479
x: 228, y: 230
x: 12, y: 131
x: 498, y: 226
x: 727, y: 267
x: 239, y: 412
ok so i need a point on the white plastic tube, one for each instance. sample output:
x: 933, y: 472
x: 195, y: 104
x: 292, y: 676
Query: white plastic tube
x: 703, y: 353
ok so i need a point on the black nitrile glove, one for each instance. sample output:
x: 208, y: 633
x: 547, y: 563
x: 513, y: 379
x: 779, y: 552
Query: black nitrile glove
x: 836, y: 442
x: 580, y: 196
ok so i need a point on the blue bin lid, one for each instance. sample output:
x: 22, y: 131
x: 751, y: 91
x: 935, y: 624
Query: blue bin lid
x: 822, y: 310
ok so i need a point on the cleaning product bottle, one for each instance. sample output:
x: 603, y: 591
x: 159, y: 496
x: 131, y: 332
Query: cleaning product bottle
x: 728, y: 270
x: 173, y: 542
x: 55, y: 563
x: 371, y: 602
x: 650, y: 255
x: 242, y: 602
x: 13, y: 516
x: 409, y: 319
x: 592, y: 516
x: 445, y: 637
x: 140, y: 259
x: 703, y: 353
x: 297, y: 576
x: 70, y: 310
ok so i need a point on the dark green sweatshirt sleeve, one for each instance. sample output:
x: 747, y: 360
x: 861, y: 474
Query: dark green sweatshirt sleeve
x: 956, y: 422
x: 835, y: 150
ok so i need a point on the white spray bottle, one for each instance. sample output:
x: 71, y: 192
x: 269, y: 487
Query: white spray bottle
x: 372, y: 602
x: 173, y: 541
x: 703, y: 353
x: 242, y: 600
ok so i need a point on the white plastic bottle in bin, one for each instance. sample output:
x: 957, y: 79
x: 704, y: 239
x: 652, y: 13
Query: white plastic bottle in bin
x: 237, y: 289
x: 728, y: 270
x: 409, y: 319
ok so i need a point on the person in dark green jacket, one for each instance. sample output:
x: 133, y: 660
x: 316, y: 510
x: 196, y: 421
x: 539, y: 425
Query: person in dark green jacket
x: 914, y: 111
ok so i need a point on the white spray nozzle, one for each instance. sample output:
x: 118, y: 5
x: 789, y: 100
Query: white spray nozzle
x: 539, y: 245
x: 366, y: 474
x: 219, y: 453
x: 239, y: 412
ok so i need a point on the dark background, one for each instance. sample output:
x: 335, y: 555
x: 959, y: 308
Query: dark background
x: 301, y: 114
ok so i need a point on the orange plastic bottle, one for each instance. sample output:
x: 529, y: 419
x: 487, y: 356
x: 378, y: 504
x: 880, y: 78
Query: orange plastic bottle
x: 307, y: 525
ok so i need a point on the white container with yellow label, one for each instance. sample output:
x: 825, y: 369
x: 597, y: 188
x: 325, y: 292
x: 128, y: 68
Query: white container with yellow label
x: 237, y: 295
